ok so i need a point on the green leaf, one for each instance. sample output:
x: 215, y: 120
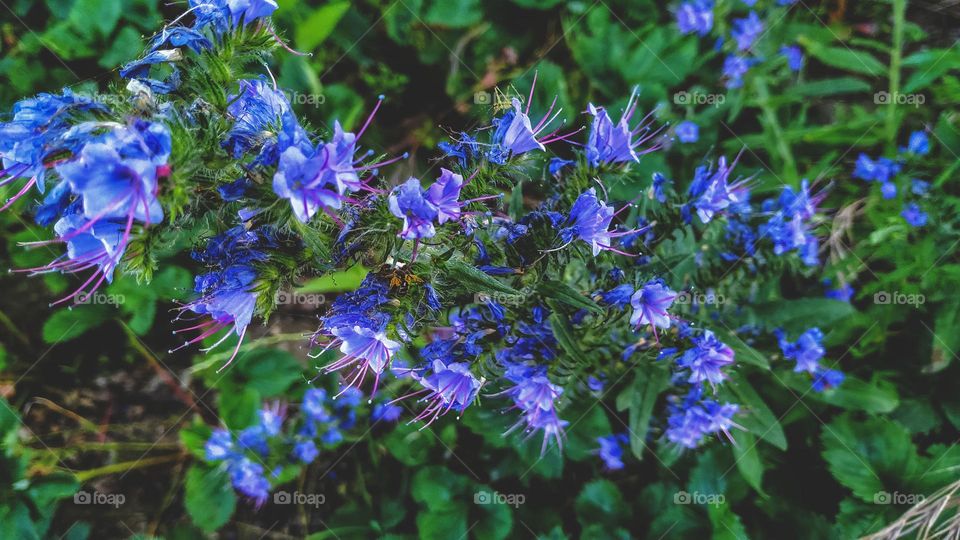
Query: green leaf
x: 747, y: 458
x: 409, y: 445
x: 194, y: 437
x: 450, y: 521
x: 269, y: 371
x: 825, y: 87
x: 565, y: 338
x: 559, y: 290
x: 67, y: 324
x: 209, y: 497
x: 475, y: 280
x: 844, y: 57
x: 495, y: 520
x: 238, y: 406
x: 342, y: 281
x: 126, y: 46
x: 869, y: 456
x: 648, y: 384
x: 756, y: 417
x: 454, y: 13
x: 726, y: 524
x: 795, y: 316
x: 99, y: 15
x: 600, y: 501
x: 877, y: 396
x: 314, y: 30
x: 743, y: 352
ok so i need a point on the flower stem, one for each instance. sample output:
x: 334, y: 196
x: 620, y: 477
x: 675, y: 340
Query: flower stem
x: 896, y: 55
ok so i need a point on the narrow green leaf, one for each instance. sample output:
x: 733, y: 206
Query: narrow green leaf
x: 314, y: 30
x: 568, y: 295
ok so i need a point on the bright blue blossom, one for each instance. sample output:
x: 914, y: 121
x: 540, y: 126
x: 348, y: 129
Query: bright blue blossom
x: 914, y: 216
x: 746, y: 31
x: 409, y: 202
x: 589, y: 221
x: 734, y: 68
x: 888, y: 190
x: 687, y: 131
x: 650, y: 304
x: 794, y: 56
x: 712, y: 191
x: 918, y: 145
x: 616, y: 143
x: 806, y: 351
x: 706, y: 359
x: 611, y: 450
x: 881, y: 170
x: 919, y: 187
x: 536, y: 397
x: 695, y: 16
x: 826, y: 379
x: 306, y: 451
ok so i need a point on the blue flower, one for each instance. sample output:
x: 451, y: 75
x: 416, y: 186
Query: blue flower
x: 692, y: 418
x: 919, y: 187
x: 444, y: 194
x: 825, y: 379
x: 384, y: 412
x: 706, y: 360
x: 806, y: 351
x: 918, y: 145
x: 712, y: 191
x: 695, y: 16
x: 650, y: 304
x: 557, y: 164
x: 447, y: 387
x: 734, y: 68
x: 409, y: 202
x: 308, y: 182
x: 305, y: 451
x: 844, y: 293
x: 365, y: 348
x: 687, y: 131
x: 180, y: 36
x: 220, y: 446
x: 257, y: 111
x: 619, y: 296
x: 881, y: 170
x: 746, y: 31
x: 589, y: 220
x: 611, y: 450
x: 888, y: 190
x: 249, y: 479
x: 914, y: 216
x: 536, y: 397
x: 794, y: 56
x: 220, y: 15
x: 514, y: 134
x: 616, y: 143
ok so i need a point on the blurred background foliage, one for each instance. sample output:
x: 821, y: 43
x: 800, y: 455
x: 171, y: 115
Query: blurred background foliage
x: 91, y: 403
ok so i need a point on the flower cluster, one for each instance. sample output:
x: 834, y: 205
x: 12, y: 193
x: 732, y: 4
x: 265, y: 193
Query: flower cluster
x: 256, y: 456
x: 807, y: 351
x: 886, y: 171
x: 527, y: 303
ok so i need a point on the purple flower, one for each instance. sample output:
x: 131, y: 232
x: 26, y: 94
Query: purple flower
x: 806, y: 351
x: 693, y: 418
x: 410, y: 203
x: 222, y: 14
x: 256, y: 110
x: 650, y: 304
x: 914, y: 216
x: 448, y: 387
x: 514, y: 133
x: 589, y: 220
x: 919, y: 187
x: 616, y: 143
x: 611, y: 450
x: 308, y: 182
x: 444, y: 195
x: 687, y: 131
x: 368, y: 349
x: 706, y: 359
x: 99, y: 244
x: 695, y: 16
x: 794, y: 56
x: 714, y: 193
x: 746, y: 31
x: 535, y: 396
x: 619, y: 296
x: 844, y: 293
